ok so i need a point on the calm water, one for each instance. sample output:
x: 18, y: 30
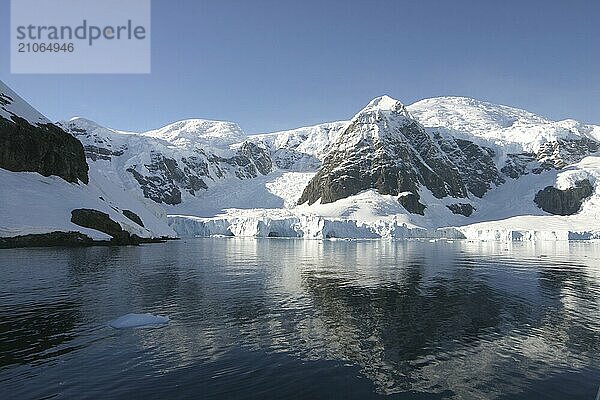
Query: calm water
x: 303, y: 319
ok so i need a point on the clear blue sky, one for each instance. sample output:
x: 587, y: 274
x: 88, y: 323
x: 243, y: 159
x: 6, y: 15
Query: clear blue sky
x: 270, y: 65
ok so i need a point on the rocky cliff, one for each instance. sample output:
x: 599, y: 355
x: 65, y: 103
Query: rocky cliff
x: 35, y: 144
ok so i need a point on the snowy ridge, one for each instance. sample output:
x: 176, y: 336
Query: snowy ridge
x: 385, y: 104
x: 379, y: 120
x: 199, y: 134
x: 170, y: 165
x: 513, y: 129
x: 301, y: 149
x: 11, y: 104
x: 507, y: 212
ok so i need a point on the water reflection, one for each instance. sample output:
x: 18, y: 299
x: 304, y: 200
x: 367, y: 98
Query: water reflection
x: 277, y: 317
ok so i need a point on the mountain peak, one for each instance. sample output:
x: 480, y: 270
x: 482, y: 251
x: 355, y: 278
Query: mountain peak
x: 384, y: 103
x: 213, y: 136
x: 385, y: 106
x: 200, y: 128
x: 81, y: 121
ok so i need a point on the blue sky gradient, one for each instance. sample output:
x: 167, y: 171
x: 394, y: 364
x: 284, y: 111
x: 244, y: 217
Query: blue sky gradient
x: 272, y: 65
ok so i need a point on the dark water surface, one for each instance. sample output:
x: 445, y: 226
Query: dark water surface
x: 260, y: 319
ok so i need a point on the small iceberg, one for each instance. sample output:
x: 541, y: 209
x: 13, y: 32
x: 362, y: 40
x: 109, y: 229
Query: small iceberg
x: 138, y: 321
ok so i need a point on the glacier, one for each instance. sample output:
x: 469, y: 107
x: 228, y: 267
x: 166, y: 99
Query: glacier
x: 273, y: 224
x: 369, y: 215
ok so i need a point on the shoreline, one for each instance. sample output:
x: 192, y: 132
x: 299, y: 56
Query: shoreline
x: 71, y: 239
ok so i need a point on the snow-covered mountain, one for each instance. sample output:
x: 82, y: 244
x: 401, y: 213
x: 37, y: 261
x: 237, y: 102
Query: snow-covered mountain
x: 394, y: 171
x: 48, y: 190
x: 510, y: 128
x: 173, y: 164
x: 467, y: 167
x: 202, y: 167
x: 385, y: 148
x: 215, y: 137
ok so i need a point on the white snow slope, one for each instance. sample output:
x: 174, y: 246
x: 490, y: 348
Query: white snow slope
x: 509, y: 129
x: 33, y: 204
x: 214, y: 137
x: 11, y: 104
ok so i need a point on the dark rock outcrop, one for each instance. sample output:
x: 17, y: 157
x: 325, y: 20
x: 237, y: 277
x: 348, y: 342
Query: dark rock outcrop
x: 134, y: 217
x: 562, y: 152
x: 476, y: 163
x: 44, y: 148
x: 253, y: 159
x: 156, y: 188
x: 411, y: 203
x: 564, y: 202
x: 462, y: 209
x: 96, y: 153
x: 555, y: 154
x: 162, y: 183
x: 52, y: 239
x: 516, y: 165
x: 100, y: 221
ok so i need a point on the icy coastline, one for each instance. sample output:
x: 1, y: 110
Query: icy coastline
x: 260, y: 225
x: 274, y: 223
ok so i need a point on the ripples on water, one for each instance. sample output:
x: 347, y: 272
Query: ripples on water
x: 303, y: 319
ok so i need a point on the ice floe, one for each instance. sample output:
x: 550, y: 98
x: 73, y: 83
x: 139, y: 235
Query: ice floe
x: 138, y: 321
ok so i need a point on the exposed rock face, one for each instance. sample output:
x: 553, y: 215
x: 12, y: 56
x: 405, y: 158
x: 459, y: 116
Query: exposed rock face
x: 383, y: 148
x: 461, y: 208
x: 134, y: 217
x: 251, y: 160
x: 53, y: 239
x: 44, y: 148
x: 96, y: 153
x: 476, y: 163
x: 156, y: 189
x: 161, y: 185
x: 564, y: 202
x: 516, y: 165
x: 555, y: 154
x: 410, y: 202
x: 560, y: 153
x: 100, y: 221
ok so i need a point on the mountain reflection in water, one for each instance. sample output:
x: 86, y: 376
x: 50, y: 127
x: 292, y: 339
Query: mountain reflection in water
x: 304, y: 319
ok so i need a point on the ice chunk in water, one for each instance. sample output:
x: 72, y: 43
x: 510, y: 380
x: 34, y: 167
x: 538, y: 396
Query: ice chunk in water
x: 138, y: 321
